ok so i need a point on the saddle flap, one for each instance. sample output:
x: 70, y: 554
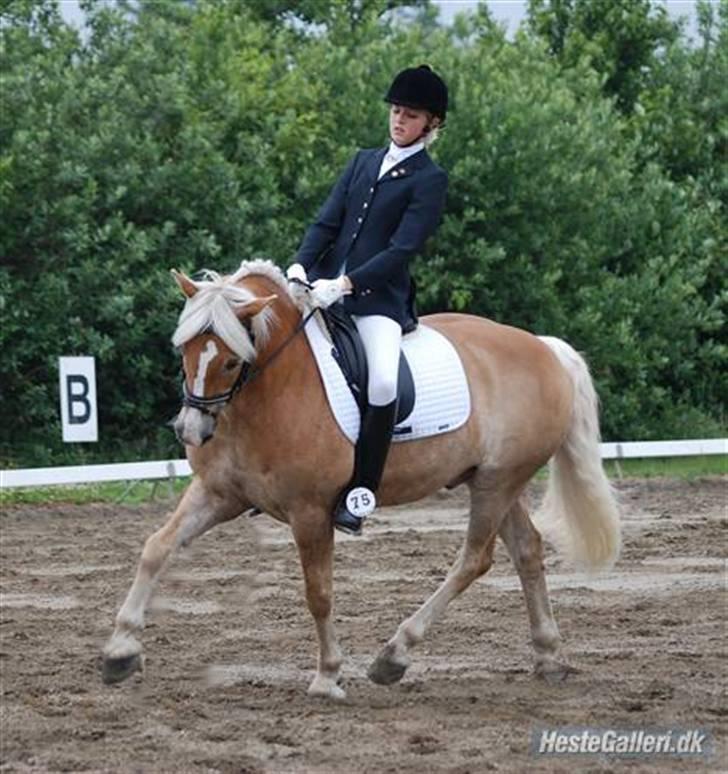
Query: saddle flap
x: 348, y: 351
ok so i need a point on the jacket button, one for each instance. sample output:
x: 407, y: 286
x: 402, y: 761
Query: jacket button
x: 359, y: 220
x: 366, y: 204
x: 371, y: 190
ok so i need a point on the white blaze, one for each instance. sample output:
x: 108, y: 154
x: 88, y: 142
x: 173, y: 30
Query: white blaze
x: 207, y: 356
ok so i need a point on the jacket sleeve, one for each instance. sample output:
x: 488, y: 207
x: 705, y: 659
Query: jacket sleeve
x: 419, y: 221
x: 324, y: 230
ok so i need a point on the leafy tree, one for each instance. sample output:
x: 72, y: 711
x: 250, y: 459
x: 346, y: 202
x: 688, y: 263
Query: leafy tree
x: 621, y: 39
x: 112, y: 172
x: 325, y: 12
x: 201, y: 134
x: 555, y: 224
x: 683, y: 111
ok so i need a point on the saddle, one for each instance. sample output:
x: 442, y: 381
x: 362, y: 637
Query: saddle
x: 348, y: 352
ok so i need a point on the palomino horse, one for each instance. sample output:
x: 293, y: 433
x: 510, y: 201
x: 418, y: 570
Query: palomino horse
x: 259, y: 433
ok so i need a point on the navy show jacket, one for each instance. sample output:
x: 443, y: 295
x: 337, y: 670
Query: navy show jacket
x: 369, y: 229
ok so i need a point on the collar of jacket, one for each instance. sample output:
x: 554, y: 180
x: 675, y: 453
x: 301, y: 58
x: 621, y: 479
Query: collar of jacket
x: 398, y: 171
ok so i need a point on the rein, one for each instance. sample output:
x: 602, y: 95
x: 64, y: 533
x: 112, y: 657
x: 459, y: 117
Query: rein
x: 246, y: 375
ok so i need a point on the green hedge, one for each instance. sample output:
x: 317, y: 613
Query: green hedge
x: 198, y: 136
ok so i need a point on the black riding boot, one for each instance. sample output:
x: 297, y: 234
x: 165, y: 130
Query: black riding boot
x: 357, y: 501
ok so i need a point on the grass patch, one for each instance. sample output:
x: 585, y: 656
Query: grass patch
x: 128, y: 492
x: 668, y: 467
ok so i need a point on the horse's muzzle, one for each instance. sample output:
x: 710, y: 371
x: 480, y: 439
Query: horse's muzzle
x: 193, y: 427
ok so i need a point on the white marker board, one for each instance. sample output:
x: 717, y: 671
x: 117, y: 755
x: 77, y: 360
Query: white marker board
x: 77, y: 380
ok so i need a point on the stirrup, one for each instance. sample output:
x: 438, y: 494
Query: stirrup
x: 353, y: 507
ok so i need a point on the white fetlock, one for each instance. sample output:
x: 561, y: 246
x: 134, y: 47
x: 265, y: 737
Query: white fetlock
x: 122, y: 645
x: 327, y: 688
x: 553, y: 671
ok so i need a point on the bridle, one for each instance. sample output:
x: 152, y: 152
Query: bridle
x: 205, y: 404
x: 247, y: 373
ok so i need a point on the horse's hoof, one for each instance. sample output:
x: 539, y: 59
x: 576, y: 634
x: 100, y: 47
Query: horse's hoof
x: 114, y: 670
x: 554, y: 672
x: 326, y: 688
x: 385, y: 670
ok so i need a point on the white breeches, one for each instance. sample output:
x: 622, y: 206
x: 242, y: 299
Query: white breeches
x: 382, y: 339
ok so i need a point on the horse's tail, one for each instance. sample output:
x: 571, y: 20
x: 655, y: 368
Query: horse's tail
x: 579, y: 510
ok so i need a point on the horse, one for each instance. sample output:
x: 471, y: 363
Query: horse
x: 259, y: 434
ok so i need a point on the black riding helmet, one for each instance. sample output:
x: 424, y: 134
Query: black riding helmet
x: 420, y: 88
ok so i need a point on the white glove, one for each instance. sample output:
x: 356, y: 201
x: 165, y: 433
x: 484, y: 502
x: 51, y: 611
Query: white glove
x: 300, y: 294
x: 326, y: 292
x: 296, y: 271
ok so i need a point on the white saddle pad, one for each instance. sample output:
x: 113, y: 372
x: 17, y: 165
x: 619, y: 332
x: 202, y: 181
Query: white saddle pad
x: 442, y: 397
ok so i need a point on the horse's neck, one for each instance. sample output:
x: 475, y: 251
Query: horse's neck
x: 284, y: 364
x: 285, y: 328
x: 286, y: 316
x: 276, y: 416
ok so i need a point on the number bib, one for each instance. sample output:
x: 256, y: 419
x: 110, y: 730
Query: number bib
x: 360, y: 502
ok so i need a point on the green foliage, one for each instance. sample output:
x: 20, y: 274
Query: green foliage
x: 683, y: 114
x: 620, y: 38
x: 113, y: 171
x: 587, y: 188
x: 323, y: 12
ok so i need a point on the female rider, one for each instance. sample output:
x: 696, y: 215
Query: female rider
x: 384, y: 206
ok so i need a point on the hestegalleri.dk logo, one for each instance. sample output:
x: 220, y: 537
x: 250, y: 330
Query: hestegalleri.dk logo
x: 585, y: 740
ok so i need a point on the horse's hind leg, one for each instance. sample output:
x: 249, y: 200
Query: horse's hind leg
x: 526, y: 549
x: 195, y: 514
x: 488, y: 506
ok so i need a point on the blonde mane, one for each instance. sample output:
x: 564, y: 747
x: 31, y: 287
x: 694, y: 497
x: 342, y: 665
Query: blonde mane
x: 214, y: 307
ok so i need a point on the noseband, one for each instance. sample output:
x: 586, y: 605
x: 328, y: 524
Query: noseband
x: 246, y: 375
x: 203, y: 404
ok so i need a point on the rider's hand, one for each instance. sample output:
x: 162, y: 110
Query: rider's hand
x: 326, y: 292
x: 296, y: 272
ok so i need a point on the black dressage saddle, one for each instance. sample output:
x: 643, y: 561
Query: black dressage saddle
x: 348, y: 352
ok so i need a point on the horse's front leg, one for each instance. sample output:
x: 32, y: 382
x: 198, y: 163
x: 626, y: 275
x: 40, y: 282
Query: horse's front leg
x: 196, y: 513
x: 314, y: 535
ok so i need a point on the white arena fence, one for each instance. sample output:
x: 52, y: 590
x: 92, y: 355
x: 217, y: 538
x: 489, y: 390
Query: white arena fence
x: 170, y: 469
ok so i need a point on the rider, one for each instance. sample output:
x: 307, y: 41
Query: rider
x: 384, y: 206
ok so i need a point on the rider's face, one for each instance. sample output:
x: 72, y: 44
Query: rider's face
x: 407, y: 125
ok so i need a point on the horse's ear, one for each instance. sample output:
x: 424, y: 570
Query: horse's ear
x: 256, y: 306
x: 186, y: 285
